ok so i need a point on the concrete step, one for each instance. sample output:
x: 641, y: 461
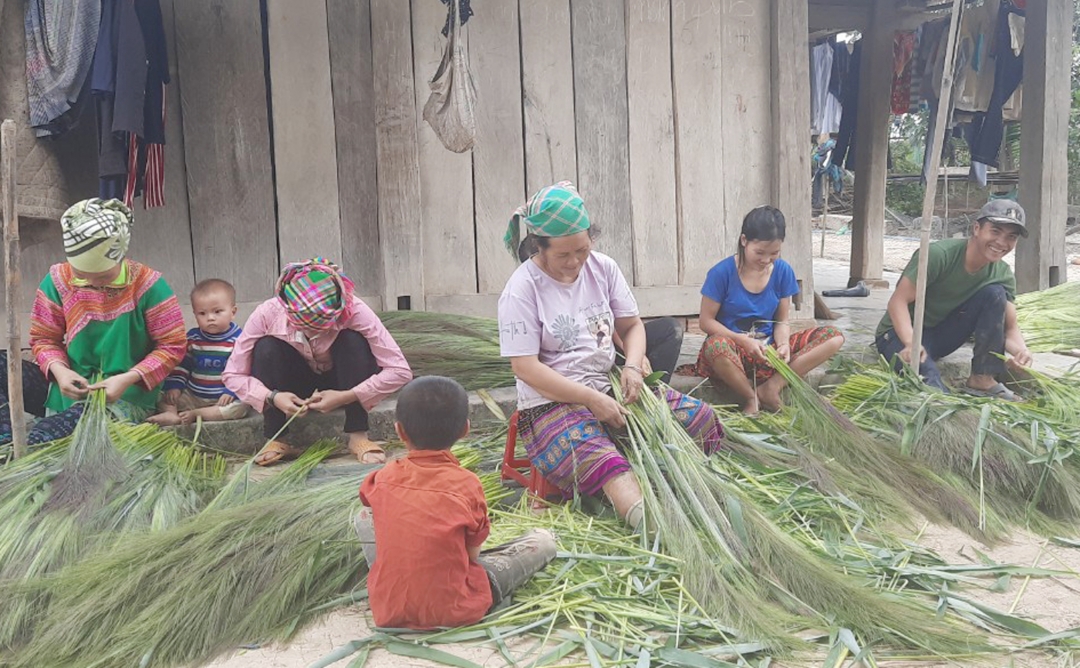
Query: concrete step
x: 245, y: 436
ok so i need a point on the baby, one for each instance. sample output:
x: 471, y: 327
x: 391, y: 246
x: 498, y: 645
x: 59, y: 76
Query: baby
x: 195, y: 389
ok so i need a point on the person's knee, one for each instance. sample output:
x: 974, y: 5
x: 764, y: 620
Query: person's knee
x: 665, y: 329
x: 993, y: 296
x: 546, y: 545
x: 266, y: 352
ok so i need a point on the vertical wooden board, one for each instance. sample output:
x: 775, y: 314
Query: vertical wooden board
x: 499, y: 155
x: 227, y: 143
x: 446, y: 181
x: 747, y: 137
x: 349, y: 23
x: 1043, y: 153
x: 547, y: 80
x: 872, y: 147
x: 652, y: 142
x: 162, y: 236
x: 305, y: 153
x: 598, y: 29
x: 790, y: 109
x: 697, y: 41
x: 400, y: 236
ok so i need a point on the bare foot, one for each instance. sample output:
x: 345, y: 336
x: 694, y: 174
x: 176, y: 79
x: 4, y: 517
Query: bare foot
x: 187, y: 417
x: 366, y: 450
x: 751, y: 407
x: 768, y: 397
x: 166, y: 419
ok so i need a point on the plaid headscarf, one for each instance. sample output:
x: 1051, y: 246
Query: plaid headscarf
x: 96, y: 234
x: 554, y: 211
x: 315, y: 293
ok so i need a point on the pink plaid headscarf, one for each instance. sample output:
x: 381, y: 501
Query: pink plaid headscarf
x: 315, y: 293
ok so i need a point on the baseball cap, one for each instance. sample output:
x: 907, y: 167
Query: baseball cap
x: 1004, y: 212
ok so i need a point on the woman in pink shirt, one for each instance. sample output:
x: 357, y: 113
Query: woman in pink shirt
x: 558, y: 317
x: 315, y: 345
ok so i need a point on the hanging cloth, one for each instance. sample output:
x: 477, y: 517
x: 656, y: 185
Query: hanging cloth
x: 60, y: 42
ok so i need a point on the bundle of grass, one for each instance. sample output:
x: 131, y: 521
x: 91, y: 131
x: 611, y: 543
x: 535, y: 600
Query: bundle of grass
x: 735, y: 559
x: 1048, y: 318
x: 165, y: 481
x: 461, y: 347
x: 92, y: 465
x: 1014, y: 455
x: 256, y: 571
x: 900, y: 482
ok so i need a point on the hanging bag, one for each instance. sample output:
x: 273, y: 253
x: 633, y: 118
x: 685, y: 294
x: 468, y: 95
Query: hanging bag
x: 450, y: 109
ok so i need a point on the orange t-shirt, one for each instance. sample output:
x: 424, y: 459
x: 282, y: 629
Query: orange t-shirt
x: 426, y: 510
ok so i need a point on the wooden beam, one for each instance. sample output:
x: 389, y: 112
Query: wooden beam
x: 872, y: 147
x: 305, y: 153
x: 603, y: 133
x: 790, y: 111
x: 547, y: 81
x: 446, y: 178
x: 697, y: 76
x: 1040, y: 259
x: 12, y: 288
x: 652, y: 142
x: 162, y: 236
x: 219, y: 49
x: 354, y: 129
x: 499, y: 154
x: 671, y: 300
x: 397, y: 145
x: 936, y: 140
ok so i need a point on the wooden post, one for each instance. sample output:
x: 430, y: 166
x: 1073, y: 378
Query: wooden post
x: 12, y: 281
x: 944, y: 104
x: 790, y: 109
x: 1040, y: 259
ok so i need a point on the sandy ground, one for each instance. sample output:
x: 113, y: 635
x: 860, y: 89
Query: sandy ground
x: 1052, y: 602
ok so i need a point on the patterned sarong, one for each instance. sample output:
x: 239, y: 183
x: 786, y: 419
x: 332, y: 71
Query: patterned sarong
x: 575, y: 451
x: 799, y: 342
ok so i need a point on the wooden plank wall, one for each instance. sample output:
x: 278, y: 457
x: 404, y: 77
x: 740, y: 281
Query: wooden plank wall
x: 666, y: 113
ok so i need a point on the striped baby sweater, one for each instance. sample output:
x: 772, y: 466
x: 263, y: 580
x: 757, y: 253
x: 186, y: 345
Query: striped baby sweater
x: 200, y: 372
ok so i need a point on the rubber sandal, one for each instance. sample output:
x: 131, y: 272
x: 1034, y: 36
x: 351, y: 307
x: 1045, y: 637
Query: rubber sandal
x: 365, y: 448
x: 997, y: 391
x: 274, y: 452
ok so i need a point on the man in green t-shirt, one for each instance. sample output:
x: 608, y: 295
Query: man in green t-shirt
x: 969, y: 293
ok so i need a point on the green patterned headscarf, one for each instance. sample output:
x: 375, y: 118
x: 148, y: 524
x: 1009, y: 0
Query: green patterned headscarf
x: 554, y: 211
x: 96, y: 234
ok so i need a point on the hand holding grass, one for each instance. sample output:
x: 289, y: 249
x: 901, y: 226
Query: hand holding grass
x: 608, y: 411
x: 632, y: 380
x: 325, y: 401
x: 288, y: 403
x: 753, y: 347
x: 115, y: 386
x: 71, y: 384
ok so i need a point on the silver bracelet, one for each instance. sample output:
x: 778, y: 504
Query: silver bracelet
x: 633, y: 367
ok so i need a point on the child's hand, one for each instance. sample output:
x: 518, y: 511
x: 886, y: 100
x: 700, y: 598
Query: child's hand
x: 171, y: 397
x: 325, y: 401
x: 225, y: 400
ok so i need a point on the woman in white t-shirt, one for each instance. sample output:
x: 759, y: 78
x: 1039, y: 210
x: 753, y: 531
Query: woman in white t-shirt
x: 558, y: 316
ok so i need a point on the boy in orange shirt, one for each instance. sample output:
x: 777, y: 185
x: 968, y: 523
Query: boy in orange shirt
x: 428, y: 518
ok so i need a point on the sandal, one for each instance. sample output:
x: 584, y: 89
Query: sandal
x: 997, y: 391
x: 274, y: 452
x: 365, y: 448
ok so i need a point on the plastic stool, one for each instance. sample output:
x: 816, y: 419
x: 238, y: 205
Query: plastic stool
x: 512, y: 468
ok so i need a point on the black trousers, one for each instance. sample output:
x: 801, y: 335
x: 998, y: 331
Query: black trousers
x: 663, y: 343
x: 982, y: 316
x: 281, y: 367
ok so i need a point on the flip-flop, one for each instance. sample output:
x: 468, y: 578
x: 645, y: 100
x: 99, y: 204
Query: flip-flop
x: 368, y: 447
x: 997, y: 391
x: 276, y: 451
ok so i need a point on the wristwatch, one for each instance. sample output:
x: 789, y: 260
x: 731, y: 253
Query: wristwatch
x: 270, y: 398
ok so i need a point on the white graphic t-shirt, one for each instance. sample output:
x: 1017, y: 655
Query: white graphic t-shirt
x: 567, y: 326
